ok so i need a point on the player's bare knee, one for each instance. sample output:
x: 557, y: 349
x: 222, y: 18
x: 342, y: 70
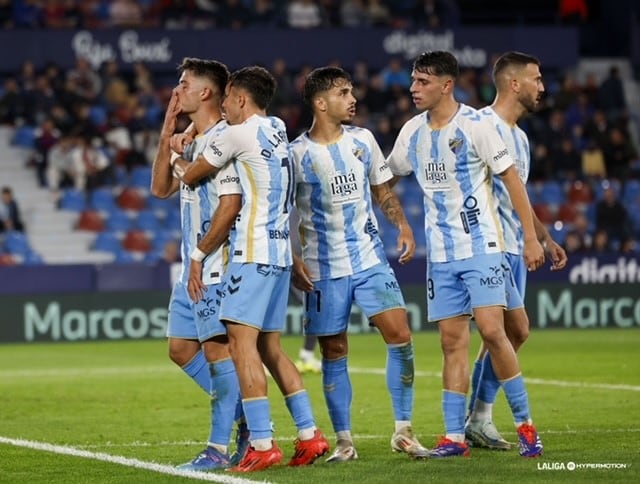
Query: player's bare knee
x: 333, y: 347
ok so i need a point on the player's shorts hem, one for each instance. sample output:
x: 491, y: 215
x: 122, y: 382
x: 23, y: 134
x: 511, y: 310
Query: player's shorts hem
x: 430, y: 320
x: 385, y: 310
x: 243, y: 323
x: 190, y: 337
x: 212, y: 335
x: 521, y: 306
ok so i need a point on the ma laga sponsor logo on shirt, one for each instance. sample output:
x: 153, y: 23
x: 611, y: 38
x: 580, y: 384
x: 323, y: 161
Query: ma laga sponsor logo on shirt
x: 344, y: 188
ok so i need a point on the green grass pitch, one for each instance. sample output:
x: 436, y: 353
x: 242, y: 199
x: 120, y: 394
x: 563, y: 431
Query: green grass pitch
x: 121, y: 406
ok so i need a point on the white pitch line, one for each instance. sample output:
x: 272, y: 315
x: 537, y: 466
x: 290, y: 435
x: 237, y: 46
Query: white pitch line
x: 533, y: 381
x: 164, y: 369
x: 126, y: 461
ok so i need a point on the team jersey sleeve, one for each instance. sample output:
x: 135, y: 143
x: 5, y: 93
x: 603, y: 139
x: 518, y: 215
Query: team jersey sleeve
x: 227, y: 180
x: 222, y: 147
x: 379, y: 172
x: 491, y: 147
x: 398, y: 160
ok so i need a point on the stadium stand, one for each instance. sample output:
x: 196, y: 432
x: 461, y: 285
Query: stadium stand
x: 62, y: 223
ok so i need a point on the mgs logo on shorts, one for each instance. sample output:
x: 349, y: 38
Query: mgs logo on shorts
x: 493, y: 277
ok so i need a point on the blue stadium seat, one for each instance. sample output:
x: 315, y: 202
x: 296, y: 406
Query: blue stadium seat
x: 163, y: 205
x: 25, y: 136
x: 108, y: 242
x: 160, y: 239
x: 631, y: 194
x: 98, y: 115
x: 102, y: 199
x: 148, y: 220
x: 604, y: 184
x: 73, y: 200
x: 17, y: 243
x: 119, y: 221
x: 552, y: 193
x: 124, y: 257
x: 141, y: 177
x: 33, y: 259
x: 172, y: 222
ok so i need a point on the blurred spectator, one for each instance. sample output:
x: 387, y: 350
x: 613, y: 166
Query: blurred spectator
x: 264, y: 14
x: 395, y: 75
x: 62, y: 14
x: 6, y: 14
x: 125, y: 14
x: 573, y: 243
x: 465, y: 88
x: 612, y: 216
x: 573, y: 11
x: 612, y: 99
x: 232, y: 14
x: 629, y: 246
x: 171, y: 252
x: 86, y: 83
x: 596, y: 128
x: 601, y: 242
x: 60, y: 172
x: 11, y: 102
x: 304, y: 14
x: 568, y: 93
x: 567, y: 161
x: 353, y: 13
x: 9, y: 212
x: 91, y: 166
x: 618, y: 154
x: 46, y: 137
x: 593, y: 161
x: 378, y: 13
x: 579, y: 238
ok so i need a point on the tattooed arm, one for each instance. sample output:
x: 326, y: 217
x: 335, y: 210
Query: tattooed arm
x: 388, y: 202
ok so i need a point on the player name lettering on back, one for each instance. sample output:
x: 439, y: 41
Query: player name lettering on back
x: 279, y: 234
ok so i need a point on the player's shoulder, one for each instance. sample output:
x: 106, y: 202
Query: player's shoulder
x: 299, y: 144
x: 415, y: 123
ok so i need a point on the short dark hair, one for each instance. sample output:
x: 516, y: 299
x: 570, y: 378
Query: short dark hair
x: 437, y: 63
x: 513, y: 58
x: 216, y: 72
x: 322, y: 79
x: 257, y: 81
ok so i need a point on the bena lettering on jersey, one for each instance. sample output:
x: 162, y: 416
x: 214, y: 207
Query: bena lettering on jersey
x: 279, y: 234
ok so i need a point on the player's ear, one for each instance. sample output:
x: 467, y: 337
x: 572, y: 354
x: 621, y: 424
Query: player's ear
x: 319, y: 103
x: 515, y: 85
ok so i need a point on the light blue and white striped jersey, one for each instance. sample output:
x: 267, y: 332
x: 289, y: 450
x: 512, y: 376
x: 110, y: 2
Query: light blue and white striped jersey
x: 338, y: 229
x: 518, y: 145
x: 198, y: 203
x: 454, y: 166
x: 260, y: 149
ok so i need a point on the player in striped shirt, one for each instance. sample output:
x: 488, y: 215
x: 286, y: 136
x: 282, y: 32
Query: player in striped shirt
x: 453, y: 152
x: 257, y: 281
x: 197, y: 338
x: 519, y: 88
x: 340, y: 170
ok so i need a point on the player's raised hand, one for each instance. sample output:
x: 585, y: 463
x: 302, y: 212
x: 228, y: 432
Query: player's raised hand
x: 171, y: 115
x: 180, y: 141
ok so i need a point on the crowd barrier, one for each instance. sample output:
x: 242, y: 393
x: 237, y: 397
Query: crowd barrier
x: 85, y: 302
